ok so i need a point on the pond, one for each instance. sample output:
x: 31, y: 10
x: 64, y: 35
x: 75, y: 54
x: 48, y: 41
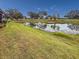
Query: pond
x: 66, y: 28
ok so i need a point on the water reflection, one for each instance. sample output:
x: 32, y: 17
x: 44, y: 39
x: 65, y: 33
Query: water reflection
x: 57, y: 27
x: 66, y: 28
x: 74, y: 27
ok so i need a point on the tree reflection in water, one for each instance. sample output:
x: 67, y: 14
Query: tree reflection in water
x: 74, y: 27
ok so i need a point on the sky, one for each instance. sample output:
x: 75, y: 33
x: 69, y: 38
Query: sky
x: 51, y: 6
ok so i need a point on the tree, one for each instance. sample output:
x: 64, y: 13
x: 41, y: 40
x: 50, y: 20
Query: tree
x: 56, y: 15
x: 42, y: 14
x: 13, y: 14
x: 1, y: 15
x: 33, y: 15
x: 36, y: 15
x: 73, y: 14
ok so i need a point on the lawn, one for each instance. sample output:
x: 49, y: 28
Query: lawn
x: 23, y: 42
x: 61, y: 21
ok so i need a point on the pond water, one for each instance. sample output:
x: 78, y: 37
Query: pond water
x: 66, y: 28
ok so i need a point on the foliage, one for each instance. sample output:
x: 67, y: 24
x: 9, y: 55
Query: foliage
x: 74, y: 14
x: 33, y: 15
x: 13, y: 14
x: 42, y: 14
x: 37, y: 15
x: 1, y: 14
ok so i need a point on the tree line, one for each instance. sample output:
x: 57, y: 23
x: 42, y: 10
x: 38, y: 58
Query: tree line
x: 16, y: 14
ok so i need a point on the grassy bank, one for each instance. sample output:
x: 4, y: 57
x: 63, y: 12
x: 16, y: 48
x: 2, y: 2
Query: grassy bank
x: 61, y: 21
x: 22, y: 42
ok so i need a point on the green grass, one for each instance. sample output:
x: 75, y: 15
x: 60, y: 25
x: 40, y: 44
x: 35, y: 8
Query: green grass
x: 57, y: 21
x: 22, y: 42
x: 61, y: 21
